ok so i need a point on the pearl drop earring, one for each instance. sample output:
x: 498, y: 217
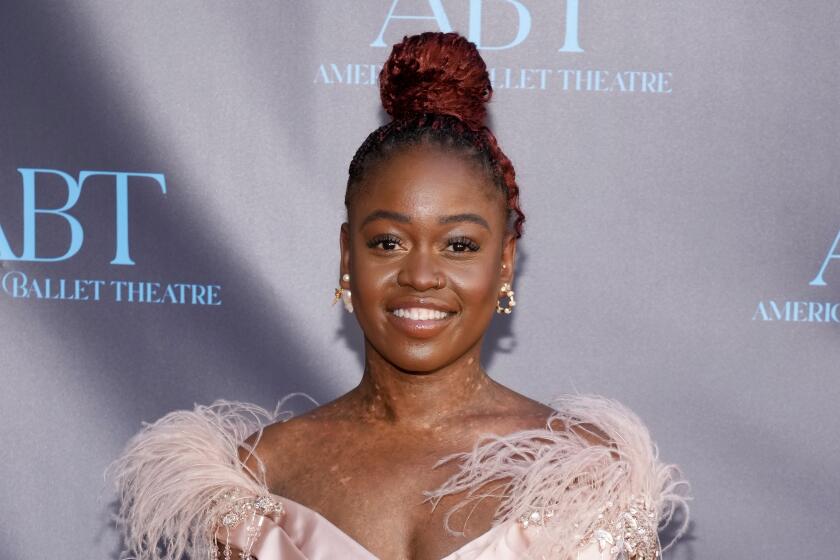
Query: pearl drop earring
x: 344, y: 294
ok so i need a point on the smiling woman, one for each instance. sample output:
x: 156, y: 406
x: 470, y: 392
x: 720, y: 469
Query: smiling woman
x: 426, y: 233
x: 428, y: 457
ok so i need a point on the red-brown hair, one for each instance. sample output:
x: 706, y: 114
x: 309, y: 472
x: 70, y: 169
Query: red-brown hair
x: 435, y: 87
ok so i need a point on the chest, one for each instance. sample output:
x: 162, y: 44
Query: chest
x: 373, y: 492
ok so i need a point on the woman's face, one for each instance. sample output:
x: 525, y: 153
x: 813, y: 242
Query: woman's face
x: 424, y: 246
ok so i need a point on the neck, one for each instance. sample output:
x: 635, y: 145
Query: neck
x: 423, y: 400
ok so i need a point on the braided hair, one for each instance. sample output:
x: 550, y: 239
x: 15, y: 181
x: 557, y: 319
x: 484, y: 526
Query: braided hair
x: 435, y: 86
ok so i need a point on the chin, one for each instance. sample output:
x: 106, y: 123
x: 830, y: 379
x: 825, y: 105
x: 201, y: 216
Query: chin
x: 426, y: 357
x: 419, y: 362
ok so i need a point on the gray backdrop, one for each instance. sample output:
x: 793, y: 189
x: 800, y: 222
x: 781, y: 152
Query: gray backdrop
x: 678, y: 168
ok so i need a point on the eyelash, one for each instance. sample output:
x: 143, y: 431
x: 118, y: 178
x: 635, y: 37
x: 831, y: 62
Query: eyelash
x: 466, y: 241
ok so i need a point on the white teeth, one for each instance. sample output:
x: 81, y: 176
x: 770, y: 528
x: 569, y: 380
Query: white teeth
x: 420, y: 314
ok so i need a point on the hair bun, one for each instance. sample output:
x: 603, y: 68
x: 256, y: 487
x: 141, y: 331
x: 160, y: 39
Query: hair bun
x: 436, y: 72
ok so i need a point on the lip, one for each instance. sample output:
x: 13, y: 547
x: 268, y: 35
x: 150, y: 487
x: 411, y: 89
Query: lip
x: 416, y: 328
x: 419, y: 329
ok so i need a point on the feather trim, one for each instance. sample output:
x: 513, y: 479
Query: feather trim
x: 176, y: 477
x: 568, y: 490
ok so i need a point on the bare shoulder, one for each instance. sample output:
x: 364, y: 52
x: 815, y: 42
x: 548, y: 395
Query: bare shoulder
x: 527, y: 413
x: 518, y: 412
x: 285, y: 447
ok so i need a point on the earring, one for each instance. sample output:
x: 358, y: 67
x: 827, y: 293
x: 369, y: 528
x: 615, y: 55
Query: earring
x: 344, y: 295
x: 511, y: 302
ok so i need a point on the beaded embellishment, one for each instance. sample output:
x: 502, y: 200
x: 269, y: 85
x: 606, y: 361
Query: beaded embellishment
x: 536, y: 517
x: 241, y: 510
x: 629, y: 534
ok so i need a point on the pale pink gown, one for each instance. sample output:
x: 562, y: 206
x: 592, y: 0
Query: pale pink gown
x: 180, y: 482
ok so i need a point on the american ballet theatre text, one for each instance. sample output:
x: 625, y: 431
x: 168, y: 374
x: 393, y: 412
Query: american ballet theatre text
x: 40, y: 285
x: 550, y: 73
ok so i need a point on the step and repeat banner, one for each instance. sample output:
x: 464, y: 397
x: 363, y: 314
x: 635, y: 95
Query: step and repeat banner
x: 172, y: 178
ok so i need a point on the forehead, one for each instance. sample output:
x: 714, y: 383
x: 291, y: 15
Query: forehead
x: 429, y: 181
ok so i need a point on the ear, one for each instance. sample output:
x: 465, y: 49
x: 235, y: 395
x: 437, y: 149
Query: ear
x: 344, y: 246
x: 508, y: 258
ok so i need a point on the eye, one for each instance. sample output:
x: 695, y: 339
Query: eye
x: 387, y: 241
x: 463, y: 244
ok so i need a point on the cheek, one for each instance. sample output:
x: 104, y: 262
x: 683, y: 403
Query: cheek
x: 475, y: 283
x: 374, y: 279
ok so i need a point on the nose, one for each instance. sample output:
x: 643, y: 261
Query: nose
x: 419, y: 270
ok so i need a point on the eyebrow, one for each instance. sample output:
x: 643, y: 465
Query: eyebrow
x: 405, y: 219
x: 467, y: 217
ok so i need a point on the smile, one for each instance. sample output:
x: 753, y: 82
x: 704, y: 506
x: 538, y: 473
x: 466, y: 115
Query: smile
x: 421, y: 314
x: 420, y: 322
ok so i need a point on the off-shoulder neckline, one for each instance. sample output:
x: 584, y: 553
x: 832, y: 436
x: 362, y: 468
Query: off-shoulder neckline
x: 541, y: 463
x: 483, y: 440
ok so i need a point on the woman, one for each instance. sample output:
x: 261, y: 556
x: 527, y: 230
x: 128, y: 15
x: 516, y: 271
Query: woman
x: 428, y: 457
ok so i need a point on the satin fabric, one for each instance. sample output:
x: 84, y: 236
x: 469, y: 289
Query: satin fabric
x: 301, y: 533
